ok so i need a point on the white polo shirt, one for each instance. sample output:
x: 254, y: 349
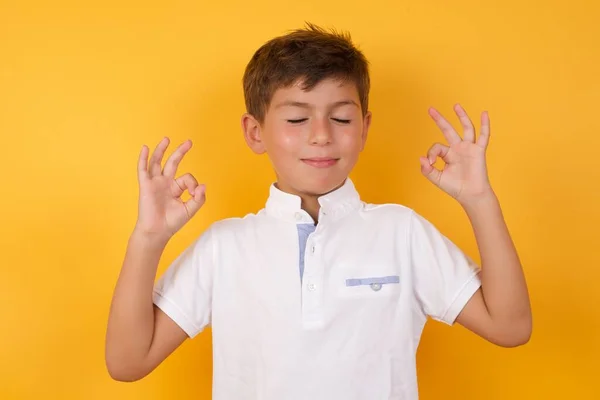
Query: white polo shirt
x: 349, y: 329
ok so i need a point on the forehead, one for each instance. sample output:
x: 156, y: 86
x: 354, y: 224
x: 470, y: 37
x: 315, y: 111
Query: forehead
x: 325, y: 93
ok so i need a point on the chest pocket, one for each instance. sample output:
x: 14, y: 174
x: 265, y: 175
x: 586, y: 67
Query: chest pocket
x: 369, y: 286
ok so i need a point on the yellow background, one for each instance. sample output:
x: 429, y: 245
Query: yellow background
x: 82, y: 87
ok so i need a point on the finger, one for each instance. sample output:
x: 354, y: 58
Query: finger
x: 449, y: 133
x: 437, y: 150
x: 154, y: 167
x: 468, y: 128
x: 186, y: 182
x: 173, y: 161
x: 429, y: 171
x: 484, y: 135
x: 143, y: 163
x: 197, y: 201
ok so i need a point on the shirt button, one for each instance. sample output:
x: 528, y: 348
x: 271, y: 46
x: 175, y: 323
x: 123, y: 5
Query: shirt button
x: 311, y: 287
x: 376, y: 286
x: 312, y: 249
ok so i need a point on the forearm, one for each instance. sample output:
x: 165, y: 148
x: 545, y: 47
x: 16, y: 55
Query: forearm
x: 131, y: 320
x: 503, y: 282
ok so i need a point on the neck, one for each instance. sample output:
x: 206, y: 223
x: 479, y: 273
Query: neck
x: 311, y: 205
x: 309, y: 201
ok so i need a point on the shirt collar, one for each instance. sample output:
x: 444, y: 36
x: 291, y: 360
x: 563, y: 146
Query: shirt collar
x: 335, y: 204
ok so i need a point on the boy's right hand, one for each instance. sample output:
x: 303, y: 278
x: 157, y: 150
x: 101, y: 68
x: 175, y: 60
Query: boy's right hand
x: 162, y: 212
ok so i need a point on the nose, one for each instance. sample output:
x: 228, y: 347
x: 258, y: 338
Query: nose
x: 320, y: 132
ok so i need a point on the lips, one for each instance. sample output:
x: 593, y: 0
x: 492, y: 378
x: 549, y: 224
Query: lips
x: 320, y: 162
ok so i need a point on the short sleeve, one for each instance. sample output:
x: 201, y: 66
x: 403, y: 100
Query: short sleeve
x: 184, y: 291
x: 444, y: 277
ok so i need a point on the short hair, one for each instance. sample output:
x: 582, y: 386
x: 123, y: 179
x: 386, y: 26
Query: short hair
x: 311, y: 54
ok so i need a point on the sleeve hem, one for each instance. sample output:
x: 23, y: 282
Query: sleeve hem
x: 174, y: 312
x: 460, y: 300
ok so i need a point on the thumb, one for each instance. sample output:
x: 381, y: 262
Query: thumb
x: 429, y: 171
x: 197, y: 200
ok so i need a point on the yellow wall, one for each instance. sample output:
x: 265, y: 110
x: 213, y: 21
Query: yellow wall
x: 83, y: 87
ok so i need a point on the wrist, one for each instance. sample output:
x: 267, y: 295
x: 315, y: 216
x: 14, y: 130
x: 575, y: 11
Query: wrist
x: 480, y: 203
x: 147, y: 239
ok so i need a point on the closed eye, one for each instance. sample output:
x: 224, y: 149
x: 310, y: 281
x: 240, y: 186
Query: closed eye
x: 341, y: 121
x: 300, y: 120
x: 297, y: 121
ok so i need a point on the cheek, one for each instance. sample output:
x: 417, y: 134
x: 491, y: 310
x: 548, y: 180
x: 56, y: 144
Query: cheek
x: 350, y: 139
x: 284, y: 141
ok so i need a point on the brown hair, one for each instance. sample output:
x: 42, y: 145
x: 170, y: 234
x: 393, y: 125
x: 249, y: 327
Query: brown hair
x: 311, y: 54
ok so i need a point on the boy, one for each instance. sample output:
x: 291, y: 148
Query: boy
x: 318, y: 295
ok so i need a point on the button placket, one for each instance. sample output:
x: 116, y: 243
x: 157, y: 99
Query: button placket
x: 313, y: 286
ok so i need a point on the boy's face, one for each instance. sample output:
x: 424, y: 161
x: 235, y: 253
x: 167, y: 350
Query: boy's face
x: 313, y: 138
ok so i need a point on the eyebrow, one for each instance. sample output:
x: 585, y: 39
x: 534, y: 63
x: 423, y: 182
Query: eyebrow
x: 291, y: 103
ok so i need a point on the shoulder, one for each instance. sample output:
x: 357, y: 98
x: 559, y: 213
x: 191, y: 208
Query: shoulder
x: 398, y: 216
x: 392, y: 212
x: 237, y: 225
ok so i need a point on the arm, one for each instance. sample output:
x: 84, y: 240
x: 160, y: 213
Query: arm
x: 500, y: 310
x: 139, y: 335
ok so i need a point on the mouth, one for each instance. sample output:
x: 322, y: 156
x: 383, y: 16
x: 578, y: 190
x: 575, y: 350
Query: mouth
x: 320, y: 162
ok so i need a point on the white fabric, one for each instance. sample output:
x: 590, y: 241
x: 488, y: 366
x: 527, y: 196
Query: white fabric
x: 347, y: 331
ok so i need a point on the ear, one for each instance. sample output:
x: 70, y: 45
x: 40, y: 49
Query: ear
x: 252, y: 133
x: 365, y: 129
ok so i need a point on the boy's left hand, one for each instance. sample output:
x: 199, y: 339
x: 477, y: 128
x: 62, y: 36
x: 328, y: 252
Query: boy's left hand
x: 464, y: 176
